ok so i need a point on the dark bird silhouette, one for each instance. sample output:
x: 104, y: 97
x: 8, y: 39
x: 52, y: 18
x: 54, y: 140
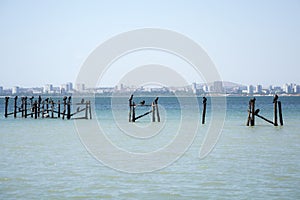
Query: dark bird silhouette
x: 204, y: 99
x: 82, y: 100
x: 275, y: 98
x: 142, y: 102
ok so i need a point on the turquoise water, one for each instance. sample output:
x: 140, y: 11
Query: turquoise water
x: 45, y: 159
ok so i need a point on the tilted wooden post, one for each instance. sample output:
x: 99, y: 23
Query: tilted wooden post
x: 204, y: 110
x: 6, y: 107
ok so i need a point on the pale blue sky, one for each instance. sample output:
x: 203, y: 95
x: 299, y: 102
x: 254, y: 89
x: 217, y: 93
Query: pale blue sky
x: 47, y: 41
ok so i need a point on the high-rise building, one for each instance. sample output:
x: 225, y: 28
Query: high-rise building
x: 69, y: 87
x: 15, y: 90
x: 194, y: 88
x: 258, y: 89
x: 296, y: 89
x: 80, y: 87
x: 287, y: 88
x: 250, y: 89
x: 218, y: 86
x: 48, y: 88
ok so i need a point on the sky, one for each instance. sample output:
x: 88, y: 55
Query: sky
x: 250, y: 42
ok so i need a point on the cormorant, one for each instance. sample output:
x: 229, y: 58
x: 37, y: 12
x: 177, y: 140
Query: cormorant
x: 275, y: 98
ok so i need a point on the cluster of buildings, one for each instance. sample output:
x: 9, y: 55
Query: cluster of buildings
x: 217, y: 87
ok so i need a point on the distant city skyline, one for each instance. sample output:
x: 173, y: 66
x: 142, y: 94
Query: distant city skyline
x: 250, y: 42
x: 216, y: 87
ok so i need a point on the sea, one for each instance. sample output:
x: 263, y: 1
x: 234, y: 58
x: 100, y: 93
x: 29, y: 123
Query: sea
x: 49, y: 158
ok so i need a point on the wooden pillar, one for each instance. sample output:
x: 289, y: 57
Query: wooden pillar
x: 153, y: 112
x: 58, y: 108
x: 130, y: 107
x: 47, y: 105
x: 22, y: 107
x: 280, y: 113
x: 69, y: 108
x: 15, y: 106
x: 43, y: 108
x: 252, y: 122
x: 204, y: 109
x: 156, y: 108
x: 65, y: 104
x: 6, y: 107
x: 133, y: 112
x: 39, y: 105
x: 52, y: 108
x: 35, y: 109
x: 90, y: 110
x: 31, y: 105
x: 275, y: 113
x: 86, y: 109
x: 25, y: 107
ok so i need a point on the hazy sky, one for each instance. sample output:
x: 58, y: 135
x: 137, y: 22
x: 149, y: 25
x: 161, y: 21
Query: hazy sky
x: 250, y: 42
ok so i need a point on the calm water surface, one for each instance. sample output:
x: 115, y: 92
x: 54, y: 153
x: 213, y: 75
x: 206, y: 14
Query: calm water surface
x: 44, y: 158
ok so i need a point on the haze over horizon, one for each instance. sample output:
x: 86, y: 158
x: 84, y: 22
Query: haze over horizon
x: 249, y: 42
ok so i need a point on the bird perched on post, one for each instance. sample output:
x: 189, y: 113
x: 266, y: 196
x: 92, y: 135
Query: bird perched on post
x: 142, y: 102
x: 275, y: 98
x: 204, y: 100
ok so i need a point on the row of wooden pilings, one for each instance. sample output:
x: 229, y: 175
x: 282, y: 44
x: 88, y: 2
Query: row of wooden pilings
x: 154, y: 110
x: 252, y: 113
x: 46, y: 108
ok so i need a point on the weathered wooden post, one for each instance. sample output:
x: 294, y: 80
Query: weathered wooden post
x: 47, y: 105
x: 25, y: 107
x: 275, y: 110
x: 58, y: 108
x: 253, y: 112
x: 65, y: 104
x: 156, y: 108
x: 52, y: 108
x: 22, y: 107
x: 43, y: 108
x: 249, y: 114
x: 35, y: 109
x: 31, y: 105
x: 69, y: 108
x: 86, y: 109
x: 153, y: 111
x: 133, y: 112
x: 39, y: 105
x: 130, y: 107
x: 204, y: 109
x: 6, y: 107
x: 15, y: 106
x: 90, y: 110
x: 280, y: 113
